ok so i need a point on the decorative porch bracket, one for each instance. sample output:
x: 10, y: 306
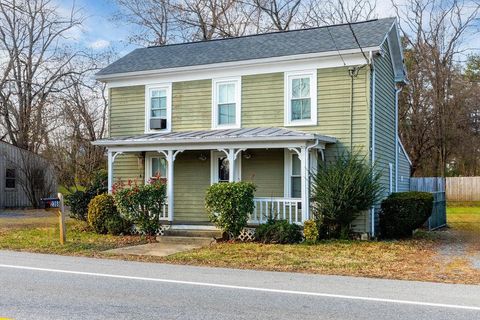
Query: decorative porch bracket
x: 232, y: 156
x: 111, y: 160
x: 170, y: 156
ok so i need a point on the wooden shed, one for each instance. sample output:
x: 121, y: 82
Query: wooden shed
x: 25, y: 177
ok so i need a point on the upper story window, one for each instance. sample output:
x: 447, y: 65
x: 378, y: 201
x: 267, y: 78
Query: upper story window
x: 301, y: 98
x: 10, y: 178
x: 226, y: 103
x: 158, y: 108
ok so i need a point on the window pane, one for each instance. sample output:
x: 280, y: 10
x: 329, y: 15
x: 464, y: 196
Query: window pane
x: 223, y: 170
x: 10, y: 173
x: 300, y: 109
x: 296, y: 165
x: 301, y: 88
x: 296, y: 191
x: 226, y: 113
x: 159, y: 93
x: 159, y: 167
x: 226, y: 93
x: 155, y: 167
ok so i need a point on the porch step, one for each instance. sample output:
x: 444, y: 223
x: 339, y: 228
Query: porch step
x: 192, y: 241
x: 196, y: 233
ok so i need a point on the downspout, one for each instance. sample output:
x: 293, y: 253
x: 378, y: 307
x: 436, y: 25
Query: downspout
x: 372, y: 106
x: 398, y: 89
x: 353, y: 72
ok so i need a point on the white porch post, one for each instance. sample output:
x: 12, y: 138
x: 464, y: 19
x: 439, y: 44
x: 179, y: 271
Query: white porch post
x: 111, y: 161
x: 110, y: 171
x: 304, y: 160
x: 170, y: 156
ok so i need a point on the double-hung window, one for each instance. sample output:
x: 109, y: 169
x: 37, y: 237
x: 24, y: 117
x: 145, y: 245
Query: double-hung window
x: 226, y: 103
x: 301, y: 98
x: 10, y: 178
x: 158, y: 108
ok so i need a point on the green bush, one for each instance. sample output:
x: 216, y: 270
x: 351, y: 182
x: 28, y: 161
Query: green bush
x: 117, y: 225
x: 404, y: 212
x: 100, y: 209
x: 278, y: 231
x: 79, y: 200
x: 142, y: 205
x: 310, y: 230
x: 229, y: 205
x: 341, y: 190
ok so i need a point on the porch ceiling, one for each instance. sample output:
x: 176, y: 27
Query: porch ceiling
x: 244, y: 135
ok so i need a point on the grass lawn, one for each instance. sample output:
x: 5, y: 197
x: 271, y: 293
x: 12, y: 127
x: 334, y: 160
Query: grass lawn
x: 41, y: 234
x: 439, y: 256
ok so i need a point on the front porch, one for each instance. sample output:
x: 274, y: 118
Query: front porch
x: 276, y: 160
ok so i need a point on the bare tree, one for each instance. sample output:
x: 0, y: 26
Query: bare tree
x: 434, y: 31
x: 280, y: 12
x: 153, y: 17
x: 35, y: 177
x: 33, y: 67
x: 328, y: 12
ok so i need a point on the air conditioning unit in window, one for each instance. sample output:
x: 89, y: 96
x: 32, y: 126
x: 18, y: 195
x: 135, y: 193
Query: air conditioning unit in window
x: 158, y: 124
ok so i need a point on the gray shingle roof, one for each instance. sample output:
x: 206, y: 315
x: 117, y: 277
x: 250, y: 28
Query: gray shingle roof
x: 338, y: 37
x: 204, y: 136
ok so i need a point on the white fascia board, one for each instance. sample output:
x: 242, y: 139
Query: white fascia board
x: 239, y: 68
x: 199, y: 141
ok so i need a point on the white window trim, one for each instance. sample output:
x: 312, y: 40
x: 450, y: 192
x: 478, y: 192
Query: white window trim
x: 148, y: 165
x: 148, y: 101
x: 312, y: 74
x: 214, y: 155
x: 238, y: 103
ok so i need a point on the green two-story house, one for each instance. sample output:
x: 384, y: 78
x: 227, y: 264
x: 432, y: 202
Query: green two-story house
x: 264, y: 108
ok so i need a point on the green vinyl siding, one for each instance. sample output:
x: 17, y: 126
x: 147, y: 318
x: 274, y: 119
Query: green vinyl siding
x: 192, y: 105
x: 129, y: 166
x: 263, y: 105
x: 385, y: 118
x: 265, y: 169
x: 403, y: 171
x: 127, y: 111
x: 191, y: 180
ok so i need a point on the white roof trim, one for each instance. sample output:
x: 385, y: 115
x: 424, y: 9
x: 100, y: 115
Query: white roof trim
x: 252, y: 62
x: 220, y: 140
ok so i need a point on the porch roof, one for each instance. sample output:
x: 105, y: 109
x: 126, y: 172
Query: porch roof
x: 263, y: 134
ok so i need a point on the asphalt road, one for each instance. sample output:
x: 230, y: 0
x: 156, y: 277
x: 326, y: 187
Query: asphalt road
x: 35, y: 286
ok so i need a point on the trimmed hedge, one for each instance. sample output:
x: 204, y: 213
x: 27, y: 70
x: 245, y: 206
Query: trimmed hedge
x: 229, y: 205
x: 404, y: 212
x: 310, y: 230
x: 278, y: 231
x: 101, y: 209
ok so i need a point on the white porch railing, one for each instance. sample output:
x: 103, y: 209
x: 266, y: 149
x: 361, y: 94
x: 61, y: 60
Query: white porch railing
x: 164, y: 213
x: 278, y: 208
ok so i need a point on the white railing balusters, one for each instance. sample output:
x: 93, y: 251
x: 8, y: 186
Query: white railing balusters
x: 277, y: 208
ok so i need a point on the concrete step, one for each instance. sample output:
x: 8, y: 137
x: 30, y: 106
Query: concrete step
x: 192, y: 241
x: 202, y: 233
